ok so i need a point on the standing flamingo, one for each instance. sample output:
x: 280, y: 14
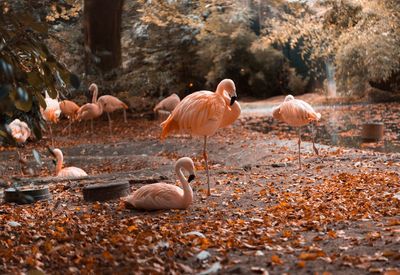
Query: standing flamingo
x: 296, y: 113
x: 51, y: 113
x: 20, y: 131
x: 68, y: 171
x: 163, y: 195
x: 203, y: 113
x: 109, y: 103
x: 90, y: 110
x: 167, y: 105
x: 70, y: 109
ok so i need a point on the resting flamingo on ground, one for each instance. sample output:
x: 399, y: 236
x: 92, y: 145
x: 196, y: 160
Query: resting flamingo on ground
x: 296, y: 113
x: 163, y: 195
x: 20, y: 131
x: 68, y: 171
x: 69, y: 109
x: 168, y: 104
x: 203, y: 113
x: 90, y: 110
x: 109, y: 103
x: 51, y: 113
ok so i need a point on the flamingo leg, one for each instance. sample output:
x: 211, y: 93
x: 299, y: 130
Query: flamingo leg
x: 91, y: 126
x: 125, y: 120
x: 299, y: 142
x: 51, y: 134
x: 109, y: 123
x: 206, y: 161
x: 69, y: 128
x: 19, y: 161
x: 313, y: 139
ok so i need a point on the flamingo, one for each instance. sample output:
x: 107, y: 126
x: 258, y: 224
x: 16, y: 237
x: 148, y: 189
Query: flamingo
x: 202, y: 113
x: 296, y: 113
x: 70, y: 109
x: 109, y: 103
x: 68, y: 171
x: 20, y: 131
x: 163, y: 195
x: 90, y: 110
x: 168, y: 104
x: 51, y: 113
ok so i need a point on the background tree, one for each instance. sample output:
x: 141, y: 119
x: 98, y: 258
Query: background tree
x: 27, y: 67
x: 102, y: 29
x: 360, y: 38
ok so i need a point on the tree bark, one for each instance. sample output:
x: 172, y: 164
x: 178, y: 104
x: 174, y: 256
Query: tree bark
x: 102, y: 31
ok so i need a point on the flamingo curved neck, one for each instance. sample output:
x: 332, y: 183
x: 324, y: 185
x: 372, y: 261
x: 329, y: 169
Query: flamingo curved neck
x: 187, y: 190
x: 95, y: 94
x: 220, y: 89
x: 60, y: 160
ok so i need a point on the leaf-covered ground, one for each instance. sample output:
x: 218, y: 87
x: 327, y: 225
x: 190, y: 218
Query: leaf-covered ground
x: 339, y: 215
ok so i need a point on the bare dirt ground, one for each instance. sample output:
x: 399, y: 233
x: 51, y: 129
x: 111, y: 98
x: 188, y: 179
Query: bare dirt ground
x: 339, y: 215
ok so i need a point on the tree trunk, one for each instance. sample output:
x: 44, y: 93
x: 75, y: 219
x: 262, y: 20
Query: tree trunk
x: 102, y: 30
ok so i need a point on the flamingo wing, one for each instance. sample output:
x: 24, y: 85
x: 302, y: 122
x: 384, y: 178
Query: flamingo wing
x: 297, y: 113
x: 156, y: 196
x: 168, y: 104
x: 111, y: 103
x: 231, y: 113
x: 71, y: 172
x: 199, y: 114
x: 276, y: 113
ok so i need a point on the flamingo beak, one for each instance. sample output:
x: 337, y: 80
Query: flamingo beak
x: 191, y: 177
x: 51, y: 151
x: 233, y: 99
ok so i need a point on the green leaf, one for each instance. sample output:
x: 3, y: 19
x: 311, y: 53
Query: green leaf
x: 41, y: 100
x: 25, y: 106
x: 4, y: 90
x: 22, y: 95
x: 35, y: 80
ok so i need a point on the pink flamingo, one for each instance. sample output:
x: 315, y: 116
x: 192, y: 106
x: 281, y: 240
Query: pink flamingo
x: 163, y: 195
x: 296, y: 113
x: 51, y: 113
x: 68, y: 171
x: 168, y: 104
x: 70, y: 109
x: 109, y: 103
x: 203, y: 113
x: 20, y: 131
x: 90, y: 110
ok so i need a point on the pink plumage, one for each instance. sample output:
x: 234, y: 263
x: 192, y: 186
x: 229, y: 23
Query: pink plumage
x: 90, y: 111
x: 168, y: 104
x: 69, y: 109
x: 163, y: 195
x: 111, y: 103
x: 297, y: 113
x: 108, y: 103
x: 68, y: 171
x: 19, y: 130
x: 203, y: 113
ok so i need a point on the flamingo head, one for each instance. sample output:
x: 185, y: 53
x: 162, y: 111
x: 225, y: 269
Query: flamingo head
x: 92, y: 87
x: 288, y: 98
x: 229, y: 87
x: 187, y: 164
